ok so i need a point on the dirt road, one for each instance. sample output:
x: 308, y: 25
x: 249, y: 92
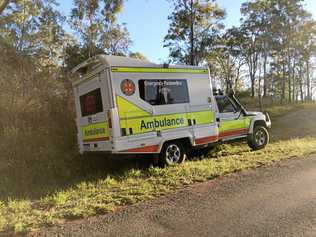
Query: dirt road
x: 274, y: 201
x: 300, y: 123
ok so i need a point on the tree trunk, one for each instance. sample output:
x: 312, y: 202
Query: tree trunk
x: 237, y: 77
x: 289, y: 75
x: 259, y: 90
x: 290, y: 89
x: 294, y: 82
x: 308, y: 82
x: 283, y: 84
x: 301, y: 84
x: 252, y: 79
x: 265, y: 79
x: 3, y: 5
x: 192, y: 61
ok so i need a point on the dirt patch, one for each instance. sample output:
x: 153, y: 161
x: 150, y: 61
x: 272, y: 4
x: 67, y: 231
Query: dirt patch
x: 296, y: 124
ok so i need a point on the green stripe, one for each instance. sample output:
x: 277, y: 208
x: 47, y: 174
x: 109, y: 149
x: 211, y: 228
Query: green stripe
x: 146, y: 124
x: 95, y: 130
x: 234, y: 124
x: 159, y: 70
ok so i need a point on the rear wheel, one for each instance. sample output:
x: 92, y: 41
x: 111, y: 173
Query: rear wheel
x: 259, y: 138
x: 172, y: 153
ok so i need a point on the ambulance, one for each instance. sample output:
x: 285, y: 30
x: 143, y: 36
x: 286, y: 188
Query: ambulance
x: 132, y: 106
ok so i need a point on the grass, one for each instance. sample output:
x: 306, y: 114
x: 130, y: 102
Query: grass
x: 280, y: 110
x: 106, y: 195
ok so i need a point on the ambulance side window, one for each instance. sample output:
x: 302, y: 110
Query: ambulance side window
x: 225, y: 105
x: 91, y: 103
x: 162, y: 92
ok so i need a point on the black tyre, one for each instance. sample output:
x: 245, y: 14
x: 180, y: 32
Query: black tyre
x: 172, y: 153
x: 259, y: 138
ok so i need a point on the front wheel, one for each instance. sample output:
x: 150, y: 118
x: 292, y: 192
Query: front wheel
x: 259, y: 138
x: 172, y: 153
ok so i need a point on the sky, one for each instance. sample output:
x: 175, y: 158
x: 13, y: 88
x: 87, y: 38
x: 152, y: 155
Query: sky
x: 147, y: 22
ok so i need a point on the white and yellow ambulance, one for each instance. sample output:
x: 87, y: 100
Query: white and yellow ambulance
x: 127, y: 106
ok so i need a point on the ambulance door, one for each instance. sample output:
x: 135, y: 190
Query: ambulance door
x: 94, y: 103
x: 232, y: 122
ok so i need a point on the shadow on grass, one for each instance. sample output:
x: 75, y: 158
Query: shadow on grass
x: 43, y: 180
x: 85, y: 168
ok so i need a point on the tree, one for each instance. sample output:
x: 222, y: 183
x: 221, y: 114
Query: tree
x: 138, y: 55
x: 193, y: 27
x: 74, y: 54
x: 255, y: 37
x: 226, y: 58
x: 34, y: 28
x: 3, y: 5
x: 116, y: 41
x: 95, y: 23
x: 275, y: 45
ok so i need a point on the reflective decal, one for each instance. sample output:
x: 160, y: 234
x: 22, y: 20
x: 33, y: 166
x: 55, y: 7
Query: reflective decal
x: 128, y: 87
x: 95, y: 132
x: 133, y: 118
x: 159, y: 70
x: 234, y: 127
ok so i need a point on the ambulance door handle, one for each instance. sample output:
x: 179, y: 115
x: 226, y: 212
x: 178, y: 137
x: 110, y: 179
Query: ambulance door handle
x: 218, y: 120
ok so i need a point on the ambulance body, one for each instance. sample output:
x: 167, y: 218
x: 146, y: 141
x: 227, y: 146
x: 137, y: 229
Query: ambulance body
x: 127, y: 105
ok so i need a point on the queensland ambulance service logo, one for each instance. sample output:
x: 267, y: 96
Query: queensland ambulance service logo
x: 128, y: 87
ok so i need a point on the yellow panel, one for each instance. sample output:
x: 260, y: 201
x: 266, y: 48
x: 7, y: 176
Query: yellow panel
x: 128, y: 109
x: 234, y: 124
x: 95, y: 131
x: 158, y: 70
x: 140, y: 121
x: 203, y: 117
x: 164, y: 122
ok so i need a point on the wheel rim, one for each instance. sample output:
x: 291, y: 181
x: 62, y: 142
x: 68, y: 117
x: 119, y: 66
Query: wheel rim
x: 173, y: 154
x: 260, y: 137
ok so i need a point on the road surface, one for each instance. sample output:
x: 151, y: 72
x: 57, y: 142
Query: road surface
x: 272, y: 201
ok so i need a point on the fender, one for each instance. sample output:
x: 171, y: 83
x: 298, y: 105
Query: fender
x: 256, y: 117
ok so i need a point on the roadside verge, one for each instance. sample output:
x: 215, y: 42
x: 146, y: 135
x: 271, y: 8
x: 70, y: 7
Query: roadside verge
x: 107, y: 195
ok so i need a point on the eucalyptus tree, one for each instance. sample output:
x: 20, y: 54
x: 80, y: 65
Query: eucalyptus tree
x: 96, y: 25
x: 226, y: 59
x: 32, y: 27
x: 3, y: 5
x: 256, y: 34
x: 116, y: 41
x: 194, y: 25
x: 138, y: 55
x: 274, y: 35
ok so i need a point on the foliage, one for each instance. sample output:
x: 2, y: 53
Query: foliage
x: 273, y: 44
x: 95, y: 23
x: 34, y: 28
x: 193, y: 27
x: 37, y: 137
x: 226, y: 60
x: 138, y: 55
x: 273, y: 48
